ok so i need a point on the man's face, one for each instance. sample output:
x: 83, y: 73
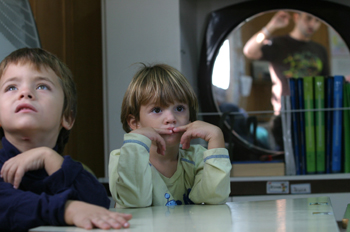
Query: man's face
x: 31, y: 101
x: 307, y: 24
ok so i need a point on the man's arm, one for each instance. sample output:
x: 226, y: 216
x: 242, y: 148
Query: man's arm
x: 252, y: 49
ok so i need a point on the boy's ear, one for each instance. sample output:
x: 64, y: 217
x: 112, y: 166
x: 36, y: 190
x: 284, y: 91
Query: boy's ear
x: 67, y: 122
x: 132, y: 122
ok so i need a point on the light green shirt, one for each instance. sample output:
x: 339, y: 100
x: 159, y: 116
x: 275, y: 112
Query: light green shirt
x: 202, y: 176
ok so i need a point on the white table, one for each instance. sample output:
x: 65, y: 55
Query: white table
x: 302, y: 214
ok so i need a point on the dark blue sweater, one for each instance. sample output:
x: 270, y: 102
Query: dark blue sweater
x: 40, y: 199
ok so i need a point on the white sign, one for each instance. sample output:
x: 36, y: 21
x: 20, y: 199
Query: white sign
x: 300, y: 188
x: 281, y: 187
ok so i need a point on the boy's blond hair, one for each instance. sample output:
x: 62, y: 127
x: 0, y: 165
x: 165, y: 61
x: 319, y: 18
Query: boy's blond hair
x: 40, y: 58
x: 160, y: 84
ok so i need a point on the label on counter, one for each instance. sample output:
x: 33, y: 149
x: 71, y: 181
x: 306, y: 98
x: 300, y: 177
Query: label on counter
x: 274, y: 187
x: 300, y: 188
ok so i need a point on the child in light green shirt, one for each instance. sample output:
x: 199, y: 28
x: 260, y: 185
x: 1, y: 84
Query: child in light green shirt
x: 158, y: 114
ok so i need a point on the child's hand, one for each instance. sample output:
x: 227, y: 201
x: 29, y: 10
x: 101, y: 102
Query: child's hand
x: 199, y: 129
x: 14, y: 169
x: 87, y: 216
x: 154, y: 135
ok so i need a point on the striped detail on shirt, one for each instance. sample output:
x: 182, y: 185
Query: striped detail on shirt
x: 188, y: 161
x: 216, y: 156
x: 137, y: 142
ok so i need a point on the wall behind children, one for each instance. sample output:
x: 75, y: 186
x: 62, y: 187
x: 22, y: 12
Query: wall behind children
x: 72, y: 31
x: 150, y: 31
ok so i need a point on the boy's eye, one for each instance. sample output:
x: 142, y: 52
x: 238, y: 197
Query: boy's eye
x: 156, y: 110
x: 11, y: 88
x: 43, y: 87
x: 180, y: 108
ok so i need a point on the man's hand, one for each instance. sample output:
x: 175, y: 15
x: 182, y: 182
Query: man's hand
x: 154, y: 135
x: 279, y: 20
x: 14, y: 169
x: 199, y: 129
x: 88, y: 216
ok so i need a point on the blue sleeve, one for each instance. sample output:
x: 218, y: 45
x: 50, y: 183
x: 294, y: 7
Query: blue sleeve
x: 21, y: 210
x: 84, y: 185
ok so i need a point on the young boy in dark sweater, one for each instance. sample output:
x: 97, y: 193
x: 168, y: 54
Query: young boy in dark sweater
x: 37, y: 185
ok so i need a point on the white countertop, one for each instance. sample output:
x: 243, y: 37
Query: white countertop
x: 284, y: 215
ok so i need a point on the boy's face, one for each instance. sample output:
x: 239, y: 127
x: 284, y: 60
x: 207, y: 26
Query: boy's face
x: 168, y: 117
x: 31, y: 102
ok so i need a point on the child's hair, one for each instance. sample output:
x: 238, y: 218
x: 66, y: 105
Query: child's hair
x: 160, y: 84
x: 40, y: 58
